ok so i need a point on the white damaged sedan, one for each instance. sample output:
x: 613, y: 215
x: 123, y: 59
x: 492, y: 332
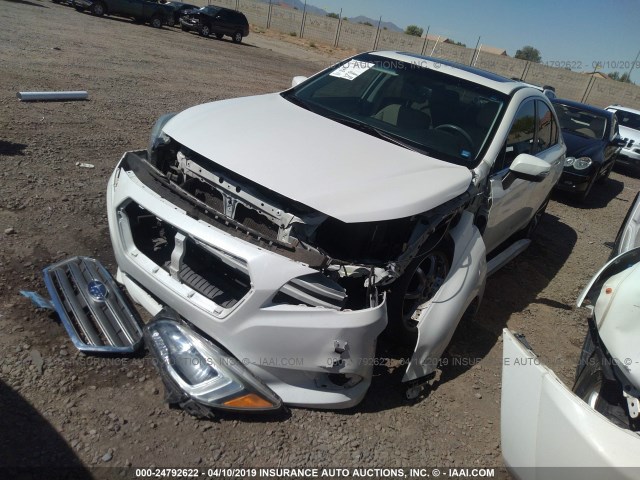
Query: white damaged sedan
x: 275, y: 237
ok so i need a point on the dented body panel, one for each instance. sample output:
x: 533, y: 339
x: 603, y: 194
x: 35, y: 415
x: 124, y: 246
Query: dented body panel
x: 290, y: 347
x: 464, y: 284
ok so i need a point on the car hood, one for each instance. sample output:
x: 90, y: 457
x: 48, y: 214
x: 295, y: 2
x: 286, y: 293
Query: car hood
x: 580, y: 146
x: 330, y: 167
x: 630, y: 133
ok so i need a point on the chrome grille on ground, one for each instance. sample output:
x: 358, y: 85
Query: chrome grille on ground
x: 219, y: 278
x: 92, y: 308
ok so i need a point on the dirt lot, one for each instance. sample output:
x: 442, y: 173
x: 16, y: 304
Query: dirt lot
x: 60, y: 408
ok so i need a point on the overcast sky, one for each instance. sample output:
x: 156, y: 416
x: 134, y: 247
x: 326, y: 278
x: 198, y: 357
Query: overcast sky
x: 578, y: 34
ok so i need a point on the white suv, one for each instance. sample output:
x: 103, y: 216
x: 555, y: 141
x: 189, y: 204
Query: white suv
x: 629, y: 123
x: 278, y: 234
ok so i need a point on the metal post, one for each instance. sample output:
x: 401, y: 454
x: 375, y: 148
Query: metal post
x: 338, y: 31
x: 375, y: 41
x: 633, y: 65
x: 587, y: 91
x: 269, y: 15
x: 434, y: 47
x: 524, y: 70
x: 426, y: 40
x: 474, y: 51
x: 304, y: 14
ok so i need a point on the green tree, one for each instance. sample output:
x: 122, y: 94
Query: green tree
x: 460, y: 43
x: 365, y: 23
x: 529, y: 53
x: 620, y: 77
x: 333, y: 15
x: 414, y: 30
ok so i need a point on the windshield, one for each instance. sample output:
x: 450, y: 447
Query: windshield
x: 628, y: 119
x: 404, y: 103
x: 210, y: 10
x: 581, y: 122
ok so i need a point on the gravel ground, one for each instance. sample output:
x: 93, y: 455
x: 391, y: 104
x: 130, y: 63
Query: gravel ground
x: 61, y: 408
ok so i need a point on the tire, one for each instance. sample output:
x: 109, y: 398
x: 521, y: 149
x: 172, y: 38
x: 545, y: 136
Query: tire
x: 219, y: 36
x: 156, y: 21
x: 98, y: 9
x: 171, y: 22
x: 237, y: 37
x: 205, y: 30
x: 413, y: 290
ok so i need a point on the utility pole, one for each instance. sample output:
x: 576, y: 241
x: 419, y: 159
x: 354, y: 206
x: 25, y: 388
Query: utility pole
x: 633, y: 65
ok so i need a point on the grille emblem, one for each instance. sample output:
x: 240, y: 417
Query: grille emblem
x: 97, y: 290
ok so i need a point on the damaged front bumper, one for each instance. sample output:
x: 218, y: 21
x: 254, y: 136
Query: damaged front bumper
x: 273, y: 314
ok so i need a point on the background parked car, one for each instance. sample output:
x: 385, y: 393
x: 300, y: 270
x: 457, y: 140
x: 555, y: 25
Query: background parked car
x: 148, y: 11
x: 216, y: 20
x: 629, y: 122
x: 593, y: 141
x: 179, y: 8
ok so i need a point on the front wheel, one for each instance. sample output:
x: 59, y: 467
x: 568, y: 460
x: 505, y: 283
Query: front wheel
x: 413, y: 291
x: 237, y: 37
x: 205, y: 30
x: 156, y: 21
x: 98, y: 9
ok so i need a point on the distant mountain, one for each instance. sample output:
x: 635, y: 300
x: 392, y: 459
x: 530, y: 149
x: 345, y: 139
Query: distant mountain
x: 298, y: 4
x: 362, y: 19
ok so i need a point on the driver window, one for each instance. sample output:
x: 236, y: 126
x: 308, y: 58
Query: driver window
x: 520, y: 138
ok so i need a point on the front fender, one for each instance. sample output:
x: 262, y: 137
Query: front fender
x: 465, y: 282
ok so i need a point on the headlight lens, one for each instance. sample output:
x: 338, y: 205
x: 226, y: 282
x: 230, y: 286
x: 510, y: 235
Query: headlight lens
x: 203, y: 371
x: 579, y: 163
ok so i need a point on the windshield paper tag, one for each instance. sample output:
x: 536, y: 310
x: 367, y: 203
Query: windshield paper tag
x: 352, y: 69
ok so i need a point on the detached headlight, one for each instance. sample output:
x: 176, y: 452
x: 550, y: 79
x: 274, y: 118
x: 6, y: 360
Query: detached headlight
x: 203, y: 372
x: 157, y: 137
x: 579, y: 163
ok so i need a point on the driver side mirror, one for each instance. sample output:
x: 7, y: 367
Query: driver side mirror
x: 298, y: 80
x: 528, y: 167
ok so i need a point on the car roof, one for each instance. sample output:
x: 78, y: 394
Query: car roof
x: 582, y: 106
x: 476, y: 75
x: 624, y: 109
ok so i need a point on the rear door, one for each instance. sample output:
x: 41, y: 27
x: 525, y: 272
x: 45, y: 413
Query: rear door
x: 222, y: 22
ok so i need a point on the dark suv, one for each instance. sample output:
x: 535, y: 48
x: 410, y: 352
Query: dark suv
x: 149, y: 11
x: 216, y: 20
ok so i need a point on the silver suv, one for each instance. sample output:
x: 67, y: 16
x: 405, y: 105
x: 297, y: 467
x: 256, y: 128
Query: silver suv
x: 629, y: 122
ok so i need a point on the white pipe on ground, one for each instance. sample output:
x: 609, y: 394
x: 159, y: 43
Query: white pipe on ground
x: 52, y: 96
